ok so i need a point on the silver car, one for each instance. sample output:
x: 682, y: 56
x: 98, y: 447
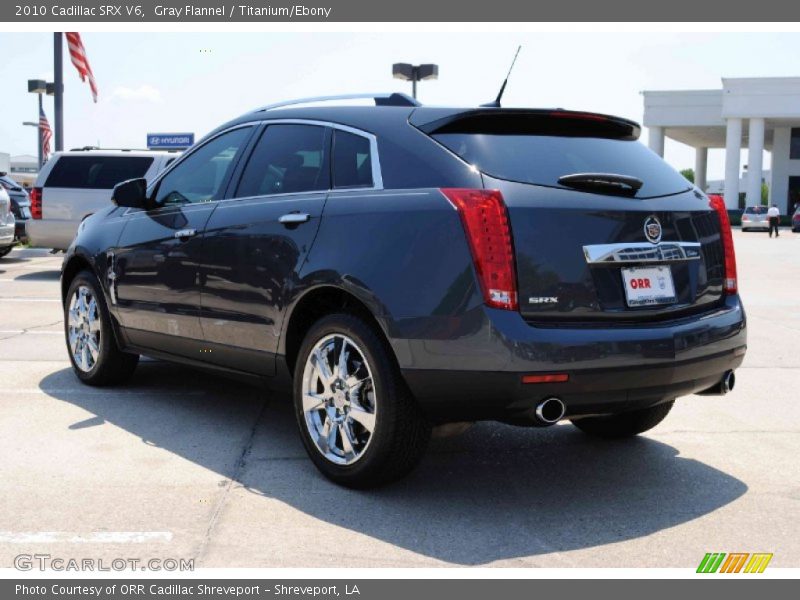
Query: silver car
x: 755, y: 218
x: 7, y: 222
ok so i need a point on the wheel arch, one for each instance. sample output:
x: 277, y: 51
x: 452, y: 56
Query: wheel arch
x: 314, y: 304
x: 74, y: 265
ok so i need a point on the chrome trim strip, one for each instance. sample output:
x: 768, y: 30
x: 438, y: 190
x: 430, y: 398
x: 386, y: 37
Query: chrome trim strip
x: 639, y: 252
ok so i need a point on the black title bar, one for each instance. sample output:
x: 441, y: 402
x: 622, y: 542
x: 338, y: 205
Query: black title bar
x: 176, y: 11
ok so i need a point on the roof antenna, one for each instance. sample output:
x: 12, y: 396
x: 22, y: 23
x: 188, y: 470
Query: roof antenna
x: 496, y: 103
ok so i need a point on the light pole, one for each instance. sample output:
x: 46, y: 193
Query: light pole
x: 415, y: 73
x: 39, y: 87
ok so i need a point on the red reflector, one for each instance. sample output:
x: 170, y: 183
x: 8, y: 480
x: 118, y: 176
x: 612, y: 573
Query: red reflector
x: 36, y: 202
x: 552, y: 378
x: 485, y: 219
x: 718, y: 204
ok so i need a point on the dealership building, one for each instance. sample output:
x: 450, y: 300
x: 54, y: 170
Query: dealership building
x: 755, y: 114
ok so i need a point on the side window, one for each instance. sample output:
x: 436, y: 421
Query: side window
x: 352, y: 160
x: 287, y: 159
x: 200, y: 176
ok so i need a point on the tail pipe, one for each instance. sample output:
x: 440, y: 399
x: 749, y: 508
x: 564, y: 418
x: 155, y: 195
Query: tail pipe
x: 550, y: 411
x: 724, y: 386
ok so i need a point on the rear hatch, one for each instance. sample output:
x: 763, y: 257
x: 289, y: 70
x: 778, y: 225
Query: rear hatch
x: 603, y: 229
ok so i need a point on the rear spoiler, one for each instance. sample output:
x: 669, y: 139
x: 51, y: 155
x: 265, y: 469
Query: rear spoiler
x: 524, y: 121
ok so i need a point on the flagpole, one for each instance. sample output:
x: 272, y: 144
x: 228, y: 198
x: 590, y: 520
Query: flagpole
x: 58, y: 98
x: 41, y: 133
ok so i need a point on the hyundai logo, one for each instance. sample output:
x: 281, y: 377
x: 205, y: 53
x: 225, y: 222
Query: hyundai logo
x: 652, y: 229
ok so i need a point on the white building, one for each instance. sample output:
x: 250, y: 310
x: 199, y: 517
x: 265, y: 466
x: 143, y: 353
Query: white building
x: 754, y: 113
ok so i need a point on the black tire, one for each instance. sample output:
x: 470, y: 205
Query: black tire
x: 625, y: 424
x: 401, y: 431
x: 6, y: 250
x: 112, y: 366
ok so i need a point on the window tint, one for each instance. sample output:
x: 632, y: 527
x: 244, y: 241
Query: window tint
x: 352, y: 160
x: 287, y: 159
x: 543, y: 159
x: 96, y: 172
x: 199, y: 177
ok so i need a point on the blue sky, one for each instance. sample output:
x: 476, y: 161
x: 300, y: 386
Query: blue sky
x: 195, y: 81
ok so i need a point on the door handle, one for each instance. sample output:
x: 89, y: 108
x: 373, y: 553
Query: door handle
x: 294, y: 218
x: 185, y: 234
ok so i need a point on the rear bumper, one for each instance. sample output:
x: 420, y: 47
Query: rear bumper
x: 51, y: 233
x: 479, y: 376
x: 756, y: 225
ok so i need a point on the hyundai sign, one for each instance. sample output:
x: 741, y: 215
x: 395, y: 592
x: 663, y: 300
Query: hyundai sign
x: 169, y: 141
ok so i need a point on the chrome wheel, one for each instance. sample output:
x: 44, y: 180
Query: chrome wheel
x: 84, y: 328
x: 339, y: 400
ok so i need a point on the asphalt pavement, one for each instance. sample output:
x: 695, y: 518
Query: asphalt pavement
x: 184, y: 464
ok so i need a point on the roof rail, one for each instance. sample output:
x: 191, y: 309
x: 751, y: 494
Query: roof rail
x: 386, y: 99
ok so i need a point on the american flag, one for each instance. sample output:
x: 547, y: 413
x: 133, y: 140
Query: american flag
x: 78, y: 55
x: 47, y: 134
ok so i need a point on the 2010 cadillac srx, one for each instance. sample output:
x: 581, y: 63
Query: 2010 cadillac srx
x: 403, y: 267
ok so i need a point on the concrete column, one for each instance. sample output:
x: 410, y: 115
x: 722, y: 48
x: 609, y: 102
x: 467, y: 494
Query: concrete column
x: 700, y: 167
x: 733, y: 146
x: 755, y: 161
x: 655, y: 140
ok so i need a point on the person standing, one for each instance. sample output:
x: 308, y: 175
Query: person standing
x: 774, y: 216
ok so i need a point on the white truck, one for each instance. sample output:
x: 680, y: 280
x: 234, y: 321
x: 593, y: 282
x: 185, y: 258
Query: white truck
x: 74, y: 184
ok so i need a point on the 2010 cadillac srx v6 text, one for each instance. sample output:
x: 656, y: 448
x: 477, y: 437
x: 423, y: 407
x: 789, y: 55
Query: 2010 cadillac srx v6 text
x: 403, y: 267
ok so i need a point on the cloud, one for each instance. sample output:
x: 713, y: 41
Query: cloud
x: 144, y: 92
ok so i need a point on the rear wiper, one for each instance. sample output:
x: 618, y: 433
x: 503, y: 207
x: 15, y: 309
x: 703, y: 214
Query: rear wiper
x: 621, y: 184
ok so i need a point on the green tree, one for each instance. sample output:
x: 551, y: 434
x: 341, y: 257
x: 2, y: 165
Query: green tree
x: 764, y: 194
x: 689, y: 174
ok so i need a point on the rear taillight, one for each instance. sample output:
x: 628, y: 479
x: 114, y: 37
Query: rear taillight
x: 485, y: 219
x: 36, y: 203
x: 718, y: 204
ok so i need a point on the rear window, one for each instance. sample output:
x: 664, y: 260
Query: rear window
x: 96, y: 172
x: 755, y: 210
x: 543, y: 159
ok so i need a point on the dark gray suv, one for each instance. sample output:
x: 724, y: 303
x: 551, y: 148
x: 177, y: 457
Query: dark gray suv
x: 401, y: 267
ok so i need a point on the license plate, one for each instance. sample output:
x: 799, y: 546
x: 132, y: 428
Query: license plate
x: 647, y: 286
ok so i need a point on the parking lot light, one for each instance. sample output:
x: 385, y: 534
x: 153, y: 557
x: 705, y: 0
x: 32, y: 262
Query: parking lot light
x: 415, y: 73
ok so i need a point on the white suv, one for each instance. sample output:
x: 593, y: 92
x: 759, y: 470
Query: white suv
x: 74, y: 184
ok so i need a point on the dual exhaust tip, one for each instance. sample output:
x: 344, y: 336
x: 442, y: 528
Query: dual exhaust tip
x: 551, y: 410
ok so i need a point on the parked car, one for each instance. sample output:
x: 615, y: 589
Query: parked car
x: 755, y: 218
x: 401, y: 267
x: 6, y: 223
x: 74, y: 184
x: 796, y: 220
x: 20, y: 205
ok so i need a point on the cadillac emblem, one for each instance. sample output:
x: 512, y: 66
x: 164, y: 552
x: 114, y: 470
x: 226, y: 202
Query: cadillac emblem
x: 652, y: 229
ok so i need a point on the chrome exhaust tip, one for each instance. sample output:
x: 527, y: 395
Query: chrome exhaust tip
x: 721, y: 388
x: 728, y: 381
x: 551, y: 410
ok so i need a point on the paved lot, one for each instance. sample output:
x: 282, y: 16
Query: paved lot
x: 211, y: 469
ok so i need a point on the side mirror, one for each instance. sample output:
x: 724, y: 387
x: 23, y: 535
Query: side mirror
x: 131, y: 193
